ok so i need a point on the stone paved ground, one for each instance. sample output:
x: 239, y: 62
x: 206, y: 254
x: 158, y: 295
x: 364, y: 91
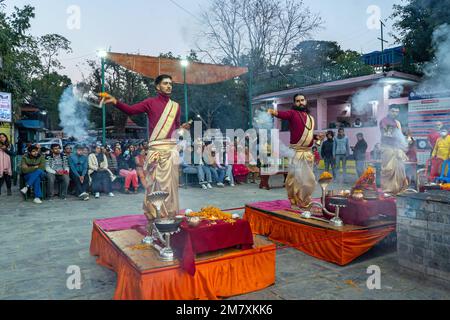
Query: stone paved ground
x: 39, y: 242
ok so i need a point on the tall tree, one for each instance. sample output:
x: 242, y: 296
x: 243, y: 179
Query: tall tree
x: 314, y: 54
x: 19, y: 54
x: 46, y: 93
x: 415, y: 22
x: 263, y: 32
x: 51, y: 45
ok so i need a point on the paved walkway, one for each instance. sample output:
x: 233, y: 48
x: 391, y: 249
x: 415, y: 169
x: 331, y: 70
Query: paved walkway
x: 39, y: 243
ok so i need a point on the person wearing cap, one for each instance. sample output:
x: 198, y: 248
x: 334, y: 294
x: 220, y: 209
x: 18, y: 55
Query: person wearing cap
x: 78, y: 164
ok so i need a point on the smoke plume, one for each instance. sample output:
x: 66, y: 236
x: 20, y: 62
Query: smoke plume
x: 437, y: 71
x: 73, y: 114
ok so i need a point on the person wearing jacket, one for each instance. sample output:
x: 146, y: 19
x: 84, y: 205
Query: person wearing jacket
x: 33, y: 170
x: 359, y: 152
x: 341, y: 150
x: 327, y: 153
x: 6, y: 152
x: 57, y: 168
x: 99, y: 175
x: 78, y: 163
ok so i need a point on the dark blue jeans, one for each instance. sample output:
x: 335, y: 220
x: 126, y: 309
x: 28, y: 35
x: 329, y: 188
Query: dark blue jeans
x: 218, y: 174
x: 33, y: 180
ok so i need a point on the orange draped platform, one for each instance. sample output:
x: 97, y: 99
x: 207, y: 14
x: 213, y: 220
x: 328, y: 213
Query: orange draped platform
x: 142, y: 276
x: 339, y: 245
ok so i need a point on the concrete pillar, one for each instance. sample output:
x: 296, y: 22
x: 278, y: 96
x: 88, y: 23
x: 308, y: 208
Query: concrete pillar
x: 322, y: 119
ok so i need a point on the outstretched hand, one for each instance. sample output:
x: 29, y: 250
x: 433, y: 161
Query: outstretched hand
x: 107, y: 98
x: 272, y: 112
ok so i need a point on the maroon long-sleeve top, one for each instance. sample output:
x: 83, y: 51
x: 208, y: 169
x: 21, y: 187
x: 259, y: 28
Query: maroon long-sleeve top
x: 153, y: 107
x: 297, y: 121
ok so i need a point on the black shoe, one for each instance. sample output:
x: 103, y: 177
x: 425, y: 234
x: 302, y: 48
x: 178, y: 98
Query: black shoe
x: 9, y: 192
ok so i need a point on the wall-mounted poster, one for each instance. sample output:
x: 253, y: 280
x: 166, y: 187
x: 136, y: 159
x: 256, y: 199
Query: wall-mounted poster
x: 5, y: 107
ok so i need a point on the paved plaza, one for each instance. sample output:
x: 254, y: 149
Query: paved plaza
x: 39, y: 243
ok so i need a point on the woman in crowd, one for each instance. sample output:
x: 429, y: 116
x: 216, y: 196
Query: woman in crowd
x: 6, y: 152
x: 127, y: 169
x: 140, y: 161
x: 112, y: 163
x: 99, y: 174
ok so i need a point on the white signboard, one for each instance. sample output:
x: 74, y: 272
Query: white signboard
x: 5, y: 107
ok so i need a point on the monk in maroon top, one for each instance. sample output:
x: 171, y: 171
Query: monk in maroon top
x: 154, y: 108
x: 300, y: 182
x: 161, y: 163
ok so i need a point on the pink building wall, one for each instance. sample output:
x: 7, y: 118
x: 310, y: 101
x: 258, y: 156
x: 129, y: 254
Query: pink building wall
x: 324, y: 114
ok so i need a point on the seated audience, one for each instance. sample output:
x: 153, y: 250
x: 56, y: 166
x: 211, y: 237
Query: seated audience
x: 68, y: 151
x: 99, y: 175
x: 57, y: 168
x: 33, y: 170
x: 127, y: 169
x: 78, y: 163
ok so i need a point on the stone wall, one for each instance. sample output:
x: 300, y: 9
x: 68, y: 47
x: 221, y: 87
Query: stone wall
x: 423, y: 233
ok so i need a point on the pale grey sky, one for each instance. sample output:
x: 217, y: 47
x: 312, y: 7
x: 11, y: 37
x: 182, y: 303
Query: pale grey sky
x: 151, y: 27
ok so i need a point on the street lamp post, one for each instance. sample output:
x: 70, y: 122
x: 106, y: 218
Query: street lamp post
x: 103, y: 54
x: 250, y: 92
x: 184, y: 64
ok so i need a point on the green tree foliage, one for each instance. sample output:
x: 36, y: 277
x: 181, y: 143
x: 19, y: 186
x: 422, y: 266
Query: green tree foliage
x: 19, y: 54
x: 29, y: 64
x: 125, y: 85
x: 415, y: 22
x: 46, y: 93
x: 315, y: 54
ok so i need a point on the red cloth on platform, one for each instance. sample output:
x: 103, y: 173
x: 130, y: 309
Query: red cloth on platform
x: 121, y: 223
x: 206, y: 238
x: 190, y: 241
x: 359, y: 212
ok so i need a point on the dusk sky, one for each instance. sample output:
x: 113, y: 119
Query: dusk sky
x: 151, y: 27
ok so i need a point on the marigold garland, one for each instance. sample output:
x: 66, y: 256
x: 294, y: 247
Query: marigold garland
x: 213, y: 213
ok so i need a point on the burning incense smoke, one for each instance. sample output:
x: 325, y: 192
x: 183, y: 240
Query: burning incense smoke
x: 73, y: 114
x: 262, y: 120
x: 437, y: 71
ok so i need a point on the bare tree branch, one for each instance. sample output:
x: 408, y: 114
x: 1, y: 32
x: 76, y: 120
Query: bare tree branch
x: 260, y: 32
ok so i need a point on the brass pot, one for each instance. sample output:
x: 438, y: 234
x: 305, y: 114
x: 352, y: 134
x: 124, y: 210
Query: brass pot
x: 358, y: 195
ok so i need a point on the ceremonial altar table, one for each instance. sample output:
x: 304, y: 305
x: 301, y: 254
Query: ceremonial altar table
x: 220, y: 273
x: 210, y: 237
x: 364, y: 212
x: 320, y: 239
